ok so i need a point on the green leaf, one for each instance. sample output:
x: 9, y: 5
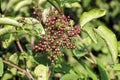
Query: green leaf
x: 116, y: 67
x: 39, y: 29
x: 13, y: 71
x: 78, y: 70
x: 103, y: 71
x: 88, y: 28
x: 62, y: 67
x: 79, y: 53
x: 69, y: 76
x: 8, y: 40
x: 1, y: 67
x: 41, y: 72
x: 6, y: 30
x: 87, y: 41
x: 119, y: 47
x: 86, y: 3
x: 41, y: 59
x: 88, y: 70
x: 71, y: 5
x: 110, y: 39
x: 42, y: 2
x: 7, y: 76
x: 22, y: 4
x: 14, y: 58
x: 8, y: 21
x: 90, y: 15
x: 30, y: 62
x: 80, y: 49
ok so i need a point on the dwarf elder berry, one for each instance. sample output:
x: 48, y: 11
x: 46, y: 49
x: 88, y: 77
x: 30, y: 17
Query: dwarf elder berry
x: 56, y: 34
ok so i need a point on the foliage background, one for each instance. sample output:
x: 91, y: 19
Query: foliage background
x: 77, y: 64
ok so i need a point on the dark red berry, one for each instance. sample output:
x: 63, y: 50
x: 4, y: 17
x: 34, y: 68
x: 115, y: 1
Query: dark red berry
x: 56, y: 34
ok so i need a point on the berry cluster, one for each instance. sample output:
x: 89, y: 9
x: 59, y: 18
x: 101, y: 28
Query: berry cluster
x: 58, y: 34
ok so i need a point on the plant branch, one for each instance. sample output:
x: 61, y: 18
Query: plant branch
x: 90, y: 53
x: 20, y: 69
x: 21, y: 49
x: 19, y: 45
